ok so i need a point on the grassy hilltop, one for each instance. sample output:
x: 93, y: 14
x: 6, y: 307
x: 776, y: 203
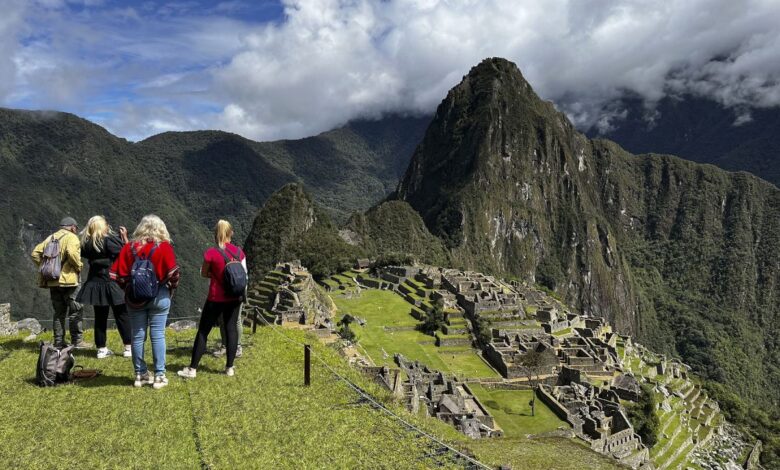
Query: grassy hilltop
x: 262, y: 418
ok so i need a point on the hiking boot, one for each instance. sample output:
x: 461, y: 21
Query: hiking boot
x: 128, y: 351
x: 230, y: 371
x: 103, y: 353
x: 219, y: 352
x: 143, y: 379
x: 81, y: 344
x: 239, y: 351
x: 187, y: 373
x: 160, y: 381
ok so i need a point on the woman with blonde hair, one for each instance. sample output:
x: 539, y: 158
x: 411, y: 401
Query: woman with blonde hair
x: 101, y: 246
x: 151, y: 243
x: 221, y: 302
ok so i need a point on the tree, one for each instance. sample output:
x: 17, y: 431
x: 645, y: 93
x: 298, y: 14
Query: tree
x: 434, y: 319
x: 535, y: 362
x: 345, y: 331
x: 643, y: 418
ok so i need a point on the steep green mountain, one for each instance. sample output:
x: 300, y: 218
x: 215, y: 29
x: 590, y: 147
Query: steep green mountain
x: 684, y: 256
x: 53, y: 164
x: 292, y: 226
x: 702, y: 130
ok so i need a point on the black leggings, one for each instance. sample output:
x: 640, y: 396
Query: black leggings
x: 211, y: 312
x: 101, y: 324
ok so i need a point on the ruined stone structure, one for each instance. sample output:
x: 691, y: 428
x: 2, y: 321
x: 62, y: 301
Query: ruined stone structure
x: 296, y: 298
x: 597, y: 417
x: 444, y: 398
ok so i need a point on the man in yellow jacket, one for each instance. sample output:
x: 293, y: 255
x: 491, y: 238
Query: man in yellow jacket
x: 63, y: 290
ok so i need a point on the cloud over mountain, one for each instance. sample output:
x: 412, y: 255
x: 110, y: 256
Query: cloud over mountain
x: 323, y: 62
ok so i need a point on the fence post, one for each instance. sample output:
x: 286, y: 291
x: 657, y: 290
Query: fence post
x: 306, y: 365
x: 254, y: 322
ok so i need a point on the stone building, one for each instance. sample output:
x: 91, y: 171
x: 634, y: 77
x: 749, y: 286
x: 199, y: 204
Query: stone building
x: 445, y: 398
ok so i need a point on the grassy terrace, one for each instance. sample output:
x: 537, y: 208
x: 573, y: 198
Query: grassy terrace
x: 262, y: 418
x: 386, y: 309
x: 511, y: 410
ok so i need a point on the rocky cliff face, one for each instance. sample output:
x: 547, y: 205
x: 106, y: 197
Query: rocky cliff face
x: 685, y: 256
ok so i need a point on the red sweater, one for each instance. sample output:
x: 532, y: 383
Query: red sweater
x: 163, y: 259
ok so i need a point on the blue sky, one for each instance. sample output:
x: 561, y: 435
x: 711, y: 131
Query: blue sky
x: 292, y: 68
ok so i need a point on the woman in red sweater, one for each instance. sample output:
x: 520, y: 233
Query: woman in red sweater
x: 152, y: 242
x: 218, y: 303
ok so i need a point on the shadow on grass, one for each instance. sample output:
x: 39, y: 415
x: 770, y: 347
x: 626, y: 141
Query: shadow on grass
x: 19, y: 344
x: 99, y: 381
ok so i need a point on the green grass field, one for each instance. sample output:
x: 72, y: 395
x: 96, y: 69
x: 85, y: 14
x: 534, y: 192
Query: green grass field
x: 511, y: 410
x: 262, y: 418
x: 383, y: 308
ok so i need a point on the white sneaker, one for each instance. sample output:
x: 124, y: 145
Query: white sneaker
x: 103, y: 353
x: 128, y: 351
x: 188, y: 373
x: 143, y: 379
x: 239, y: 351
x: 219, y: 352
x: 230, y: 371
x: 160, y: 381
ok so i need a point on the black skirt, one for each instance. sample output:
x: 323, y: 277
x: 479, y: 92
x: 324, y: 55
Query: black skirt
x: 98, y: 291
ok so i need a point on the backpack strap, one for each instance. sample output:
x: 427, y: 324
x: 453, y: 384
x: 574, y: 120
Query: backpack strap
x: 225, y: 253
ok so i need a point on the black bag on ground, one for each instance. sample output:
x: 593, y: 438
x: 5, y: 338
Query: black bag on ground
x: 54, y: 365
x: 235, y: 278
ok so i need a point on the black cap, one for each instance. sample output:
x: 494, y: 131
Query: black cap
x: 68, y: 221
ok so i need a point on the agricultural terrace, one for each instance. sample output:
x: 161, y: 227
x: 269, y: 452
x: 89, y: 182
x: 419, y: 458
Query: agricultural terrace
x: 390, y: 329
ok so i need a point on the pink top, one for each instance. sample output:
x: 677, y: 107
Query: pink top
x: 216, y: 263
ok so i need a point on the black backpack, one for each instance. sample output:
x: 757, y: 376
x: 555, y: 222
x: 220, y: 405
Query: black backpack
x: 144, y: 284
x: 235, y: 279
x: 54, y: 365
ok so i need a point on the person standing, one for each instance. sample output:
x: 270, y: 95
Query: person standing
x: 220, y: 303
x: 151, y: 242
x: 63, y: 280
x: 101, y: 246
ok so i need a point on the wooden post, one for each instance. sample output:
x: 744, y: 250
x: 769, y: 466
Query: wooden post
x: 254, y: 322
x: 306, y: 365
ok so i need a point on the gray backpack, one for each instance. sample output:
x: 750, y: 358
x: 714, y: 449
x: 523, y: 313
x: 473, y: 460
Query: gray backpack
x: 51, y: 265
x: 54, y: 365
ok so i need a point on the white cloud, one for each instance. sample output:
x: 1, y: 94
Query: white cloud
x: 188, y: 65
x: 335, y: 60
x: 10, y: 22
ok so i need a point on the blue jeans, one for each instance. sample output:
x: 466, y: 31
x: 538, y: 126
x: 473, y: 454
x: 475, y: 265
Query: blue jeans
x: 153, y: 316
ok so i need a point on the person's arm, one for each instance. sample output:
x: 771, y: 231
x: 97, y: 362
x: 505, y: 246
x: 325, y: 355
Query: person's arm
x: 73, y: 252
x: 37, y: 253
x: 170, y: 267
x: 120, y: 271
x: 205, y: 269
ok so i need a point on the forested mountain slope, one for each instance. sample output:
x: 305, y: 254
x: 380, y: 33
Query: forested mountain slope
x: 52, y: 164
x: 683, y: 255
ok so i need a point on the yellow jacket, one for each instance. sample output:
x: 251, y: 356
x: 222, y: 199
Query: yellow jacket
x: 70, y: 257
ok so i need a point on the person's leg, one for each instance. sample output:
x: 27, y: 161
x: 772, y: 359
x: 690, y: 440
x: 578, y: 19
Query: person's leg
x: 239, y: 324
x: 101, y: 324
x: 208, y: 318
x: 229, y: 314
x: 138, y: 323
x: 122, y: 323
x: 75, y: 316
x: 158, y: 316
x: 60, y: 305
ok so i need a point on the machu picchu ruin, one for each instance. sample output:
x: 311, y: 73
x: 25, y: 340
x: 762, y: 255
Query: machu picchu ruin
x: 584, y: 375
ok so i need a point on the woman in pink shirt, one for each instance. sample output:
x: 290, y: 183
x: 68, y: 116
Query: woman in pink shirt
x: 218, y: 303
